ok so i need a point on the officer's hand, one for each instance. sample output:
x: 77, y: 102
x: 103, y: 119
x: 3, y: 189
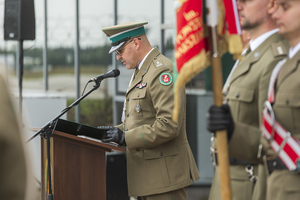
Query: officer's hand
x: 115, y: 135
x: 219, y: 118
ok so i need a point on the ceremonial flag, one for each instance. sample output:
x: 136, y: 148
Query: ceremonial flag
x: 231, y: 27
x: 229, y: 32
x: 191, y: 45
x: 190, y: 53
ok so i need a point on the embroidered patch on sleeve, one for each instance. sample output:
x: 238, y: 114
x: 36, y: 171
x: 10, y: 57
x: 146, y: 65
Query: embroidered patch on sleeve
x: 165, y: 78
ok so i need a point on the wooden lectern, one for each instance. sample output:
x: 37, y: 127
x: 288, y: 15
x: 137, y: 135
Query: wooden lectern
x: 78, y: 164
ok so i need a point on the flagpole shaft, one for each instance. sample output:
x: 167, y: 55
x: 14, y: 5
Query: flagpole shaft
x: 222, y: 143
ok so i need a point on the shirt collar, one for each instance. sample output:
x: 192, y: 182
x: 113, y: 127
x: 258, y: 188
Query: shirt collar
x: 256, y: 42
x: 294, y: 50
x: 141, y: 63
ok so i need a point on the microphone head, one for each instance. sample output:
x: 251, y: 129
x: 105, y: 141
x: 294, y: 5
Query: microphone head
x: 117, y: 72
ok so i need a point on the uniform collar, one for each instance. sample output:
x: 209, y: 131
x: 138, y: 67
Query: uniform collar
x: 294, y: 50
x: 142, y: 62
x: 258, y: 41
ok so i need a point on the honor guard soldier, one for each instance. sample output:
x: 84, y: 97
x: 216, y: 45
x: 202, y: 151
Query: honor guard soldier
x: 160, y: 164
x: 245, y: 93
x: 281, y: 115
x: 17, y: 181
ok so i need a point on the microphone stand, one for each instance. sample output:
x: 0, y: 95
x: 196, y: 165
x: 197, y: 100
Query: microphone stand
x: 48, y: 129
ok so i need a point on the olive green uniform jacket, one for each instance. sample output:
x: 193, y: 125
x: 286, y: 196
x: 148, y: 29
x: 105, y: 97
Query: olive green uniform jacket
x: 159, y: 158
x: 283, y: 184
x: 246, y: 95
x: 248, y: 91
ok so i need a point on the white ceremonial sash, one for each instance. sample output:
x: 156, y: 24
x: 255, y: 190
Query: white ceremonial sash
x: 281, y: 141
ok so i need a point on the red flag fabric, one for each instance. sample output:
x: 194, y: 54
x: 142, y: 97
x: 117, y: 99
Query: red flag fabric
x: 191, y: 45
x: 231, y: 28
x: 190, y: 54
x: 189, y: 33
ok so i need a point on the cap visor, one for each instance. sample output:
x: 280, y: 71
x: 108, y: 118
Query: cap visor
x: 113, y: 48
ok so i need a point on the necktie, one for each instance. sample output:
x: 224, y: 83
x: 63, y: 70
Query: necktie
x: 248, y: 51
x: 135, y: 73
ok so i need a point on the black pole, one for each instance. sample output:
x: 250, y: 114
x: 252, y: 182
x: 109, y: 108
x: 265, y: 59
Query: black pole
x: 50, y: 195
x: 49, y: 125
x: 20, y: 75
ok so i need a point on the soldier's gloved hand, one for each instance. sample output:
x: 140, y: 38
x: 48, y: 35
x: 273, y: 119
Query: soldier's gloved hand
x: 219, y: 118
x: 115, y: 135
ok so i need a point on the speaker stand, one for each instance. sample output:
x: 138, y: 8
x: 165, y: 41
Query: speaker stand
x: 20, y: 75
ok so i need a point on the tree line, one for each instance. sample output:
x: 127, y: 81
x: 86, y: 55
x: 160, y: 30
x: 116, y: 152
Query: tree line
x: 64, y: 56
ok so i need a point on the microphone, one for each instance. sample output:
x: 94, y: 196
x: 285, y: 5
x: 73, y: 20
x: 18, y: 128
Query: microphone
x: 111, y: 73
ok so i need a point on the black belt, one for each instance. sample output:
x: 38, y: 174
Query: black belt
x: 249, y: 169
x: 275, y: 164
x: 232, y: 161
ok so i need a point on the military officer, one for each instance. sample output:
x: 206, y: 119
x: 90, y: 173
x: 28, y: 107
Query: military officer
x: 281, y: 182
x: 160, y: 163
x: 244, y: 97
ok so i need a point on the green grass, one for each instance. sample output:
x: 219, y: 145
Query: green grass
x: 65, y: 70
x: 93, y: 112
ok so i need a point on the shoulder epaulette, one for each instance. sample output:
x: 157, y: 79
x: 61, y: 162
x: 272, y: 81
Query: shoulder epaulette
x: 279, y: 49
x: 158, y: 62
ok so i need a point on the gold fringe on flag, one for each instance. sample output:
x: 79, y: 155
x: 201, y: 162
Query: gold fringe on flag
x: 235, y: 44
x: 188, y: 71
x: 221, y: 18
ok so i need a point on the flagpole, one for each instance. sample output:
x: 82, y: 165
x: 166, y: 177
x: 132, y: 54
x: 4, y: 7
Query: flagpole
x: 222, y: 143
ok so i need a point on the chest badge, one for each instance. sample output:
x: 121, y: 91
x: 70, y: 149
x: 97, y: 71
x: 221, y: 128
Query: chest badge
x: 141, y: 85
x: 138, y: 108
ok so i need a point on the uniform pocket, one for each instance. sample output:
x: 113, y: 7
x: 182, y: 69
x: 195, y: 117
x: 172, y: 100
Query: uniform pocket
x: 283, y: 184
x: 287, y: 107
x: 163, y: 164
x: 242, y: 104
x: 142, y: 104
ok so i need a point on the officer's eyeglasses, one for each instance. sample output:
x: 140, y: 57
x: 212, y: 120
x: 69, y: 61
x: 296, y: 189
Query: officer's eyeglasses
x: 121, y: 50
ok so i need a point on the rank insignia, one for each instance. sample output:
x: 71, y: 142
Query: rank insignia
x: 158, y: 63
x: 165, y: 78
x: 138, y: 108
x: 141, y: 85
